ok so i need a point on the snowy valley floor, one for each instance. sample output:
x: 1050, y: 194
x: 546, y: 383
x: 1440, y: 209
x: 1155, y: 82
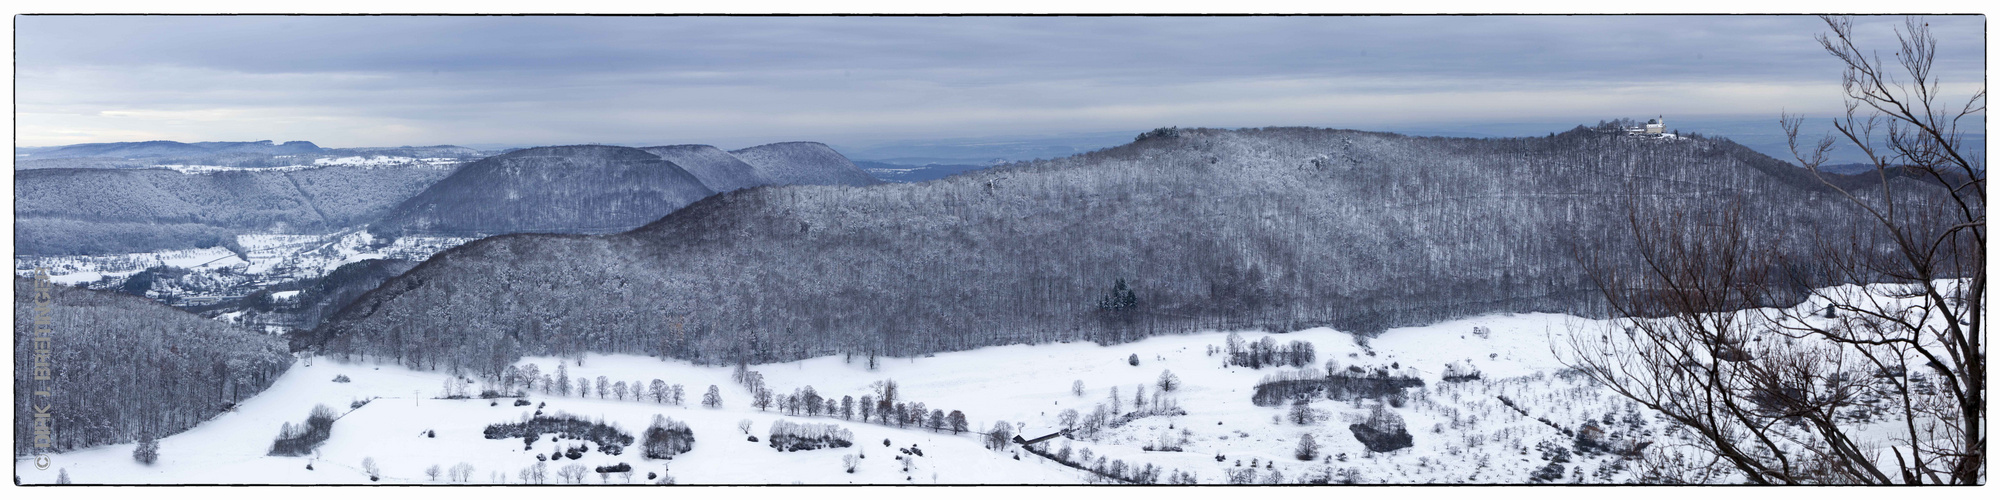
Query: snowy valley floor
x: 1462, y: 432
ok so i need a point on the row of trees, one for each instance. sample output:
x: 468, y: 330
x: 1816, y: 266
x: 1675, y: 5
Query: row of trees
x: 1106, y: 467
x: 884, y: 406
x: 1354, y: 382
x: 1267, y: 352
x: 530, y: 377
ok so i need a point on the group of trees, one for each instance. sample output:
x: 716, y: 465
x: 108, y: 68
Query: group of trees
x: 609, y: 439
x: 299, y: 440
x: 529, y: 377
x: 1110, y: 412
x: 1772, y: 392
x: 458, y: 473
x: 1342, y: 384
x: 116, y: 367
x: 667, y: 437
x: 790, y: 436
x: 884, y: 406
x: 1266, y: 352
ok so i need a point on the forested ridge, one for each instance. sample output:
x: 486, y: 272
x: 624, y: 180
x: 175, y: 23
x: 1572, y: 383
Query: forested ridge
x: 556, y: 189
x: 79, y: 211
x: 124, y: 367
x: 1275, y: 229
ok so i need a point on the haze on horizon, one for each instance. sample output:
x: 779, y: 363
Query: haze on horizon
x: 740, y: 81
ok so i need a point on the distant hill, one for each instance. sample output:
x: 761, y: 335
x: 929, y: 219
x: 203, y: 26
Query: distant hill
x: 555, y: 189
x: 788, y: 163
x: 891, y: 172
x: 68, y: 211
x: 170, y: 148
x: 985, y: 150
x: 1276, y: 229
x: 716, y: 168
x: 126, y: 366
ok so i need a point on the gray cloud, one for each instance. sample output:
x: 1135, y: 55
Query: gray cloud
x: 350, y: 81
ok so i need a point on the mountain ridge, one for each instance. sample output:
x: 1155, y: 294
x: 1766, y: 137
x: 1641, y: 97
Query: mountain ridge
x: 1276, y: 229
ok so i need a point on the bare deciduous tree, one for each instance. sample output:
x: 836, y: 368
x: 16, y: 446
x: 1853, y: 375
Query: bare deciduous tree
x: 1783, y: 394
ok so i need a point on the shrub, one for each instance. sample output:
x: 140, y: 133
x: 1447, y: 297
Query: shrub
x: 1134, y: 359
x: 148, y: 450
x: 342, y: 379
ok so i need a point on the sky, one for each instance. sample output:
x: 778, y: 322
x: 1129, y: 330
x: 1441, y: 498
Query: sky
x: 741, y: 81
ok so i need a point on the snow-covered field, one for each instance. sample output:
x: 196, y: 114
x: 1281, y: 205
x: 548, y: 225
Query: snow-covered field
x: 73, y: 270
x: 210, y: 169
x: 382, y: 161
x: 1522, y: 420
x: 1462, y: 434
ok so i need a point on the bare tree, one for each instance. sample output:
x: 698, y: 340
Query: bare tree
x: 1935, y: 241
x: 1781, y: 394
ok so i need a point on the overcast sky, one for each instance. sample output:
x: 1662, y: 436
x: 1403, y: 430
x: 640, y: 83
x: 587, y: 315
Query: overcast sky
x: 732, y: 82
